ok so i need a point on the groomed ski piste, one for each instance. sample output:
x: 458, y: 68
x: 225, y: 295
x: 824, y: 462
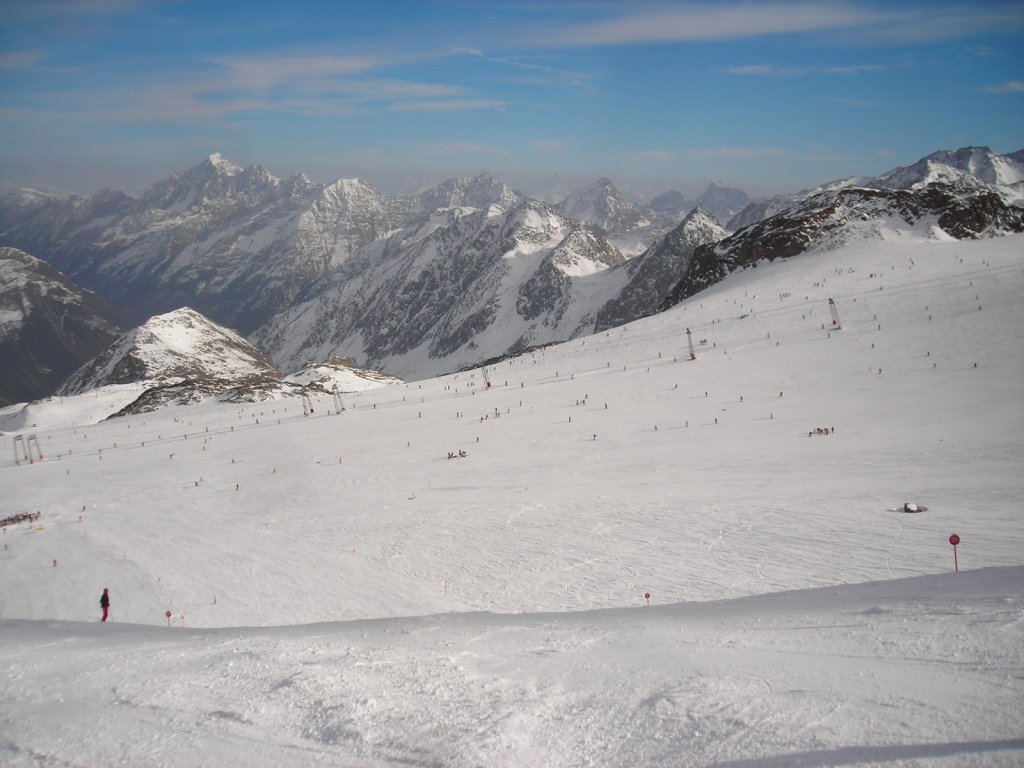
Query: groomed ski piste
x: 343, y: 593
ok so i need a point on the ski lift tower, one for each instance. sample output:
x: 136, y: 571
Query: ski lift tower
x: 26, y: 449
x: 339, y: 406
x: 307, y: 405
x: 689, y: 341
x: 20, y: 452
x: 836, y: 325
x: 487, y: 379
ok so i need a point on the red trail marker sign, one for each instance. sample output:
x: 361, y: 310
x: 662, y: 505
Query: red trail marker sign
x: 954, y: 540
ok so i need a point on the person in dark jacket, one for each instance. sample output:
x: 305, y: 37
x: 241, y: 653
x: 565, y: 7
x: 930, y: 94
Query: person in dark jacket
x: 105, y: 604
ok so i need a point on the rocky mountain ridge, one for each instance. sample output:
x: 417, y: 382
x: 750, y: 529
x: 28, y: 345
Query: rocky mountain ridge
x: 237, y: 244
x: 48, y: 326
x: 970, y: 168
x: 652, y: 275
x: 827, y: 219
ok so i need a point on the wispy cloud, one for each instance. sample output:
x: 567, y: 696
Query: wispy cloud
x: 449, y: 105
x: 933, y: 23
x: 386, y: 90
x: 547, y: 145
x: 752, y: 69
x: 20, y: 59
x: 1010, y: 86
x: 60, y: 9
x: 856, y: 103
x: 655, y: 154
x: 738, y: 153
x: 720, y: 21
x: 263, y: 73
x: 983, y: 52
x: 731, y: 20
x: 769, y: 70
x: 853, y: 69
x: 552, y: 75
x: 463, y: 148
x: 230, y: 88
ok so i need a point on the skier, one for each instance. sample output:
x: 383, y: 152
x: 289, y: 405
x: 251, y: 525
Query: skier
x: 105, y: 604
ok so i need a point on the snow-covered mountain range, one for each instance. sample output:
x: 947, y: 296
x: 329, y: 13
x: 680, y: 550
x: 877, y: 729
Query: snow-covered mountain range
x: 48, y: 326
x: 463, y: 272
x: 238, y: 245
x: 464, y: 286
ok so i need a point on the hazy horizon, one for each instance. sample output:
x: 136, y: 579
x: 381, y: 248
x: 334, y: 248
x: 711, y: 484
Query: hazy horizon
x: 772, y: 97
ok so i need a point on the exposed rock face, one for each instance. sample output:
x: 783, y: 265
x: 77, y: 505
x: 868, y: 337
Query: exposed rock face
x: 653, y: 274
x: 180, y: 345
x: 457, y: 289
x: 831, y: 218
x: 48, y: 327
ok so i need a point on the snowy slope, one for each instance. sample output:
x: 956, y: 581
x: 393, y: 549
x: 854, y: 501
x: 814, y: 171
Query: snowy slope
x: 341, y: 374
x: 909, y: 672
x: 596, y: 471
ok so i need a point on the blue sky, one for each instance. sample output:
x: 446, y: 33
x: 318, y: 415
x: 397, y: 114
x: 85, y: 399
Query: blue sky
x: 773, y: 96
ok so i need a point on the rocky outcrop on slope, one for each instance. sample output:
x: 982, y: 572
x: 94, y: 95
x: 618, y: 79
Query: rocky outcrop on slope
x: 653, y: 274
x: 832, y: 218
x: 48, y: 327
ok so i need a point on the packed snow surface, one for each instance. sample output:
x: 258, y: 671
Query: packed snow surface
x: 343, y: 593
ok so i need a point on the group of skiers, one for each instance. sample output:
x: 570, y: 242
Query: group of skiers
x: 822, y: 431
x: 20, y: 517
x: 460, y: 455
